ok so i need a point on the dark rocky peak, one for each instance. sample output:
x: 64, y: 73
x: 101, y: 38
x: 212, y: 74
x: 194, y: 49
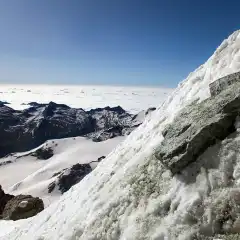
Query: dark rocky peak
x: 49, y: 110
x: 106, y: 118
x: 34, y: 104
x: 46, y: 109
x: 116, y: 109
x: 52, y: 104
x: 9, y: 116
x: 7, y: 110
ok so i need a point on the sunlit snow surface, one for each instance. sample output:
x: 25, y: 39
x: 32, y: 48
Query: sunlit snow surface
x: 133, y: 99
x: 29, y: 175
x: 127, y: 195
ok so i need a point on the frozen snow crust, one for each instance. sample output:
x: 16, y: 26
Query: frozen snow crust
x: 130, y: 195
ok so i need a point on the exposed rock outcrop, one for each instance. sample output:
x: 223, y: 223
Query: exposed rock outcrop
x: 197, y: 127
x: 27, y: 129
x: 43, y: 153
x: 4, y: 198
x: 21, y: 207
x: 69, y: 177
x: 221, y: 84
x: 18, y: 207
x: 4, y: 102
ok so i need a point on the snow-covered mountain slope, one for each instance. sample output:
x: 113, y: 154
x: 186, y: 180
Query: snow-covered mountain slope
x: 24, y: 173
x: 128, y: 195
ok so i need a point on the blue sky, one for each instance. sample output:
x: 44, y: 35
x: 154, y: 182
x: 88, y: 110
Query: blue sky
x: 126, y: 42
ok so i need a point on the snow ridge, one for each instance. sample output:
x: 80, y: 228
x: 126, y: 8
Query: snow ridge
x: 129, y: 194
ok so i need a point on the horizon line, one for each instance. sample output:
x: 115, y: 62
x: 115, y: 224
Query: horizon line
x: 86, y: 84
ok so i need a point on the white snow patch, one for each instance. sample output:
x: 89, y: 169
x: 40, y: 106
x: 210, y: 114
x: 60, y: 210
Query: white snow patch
x: 7, y: 226
x: 23, y: 204
x: 29, y: 175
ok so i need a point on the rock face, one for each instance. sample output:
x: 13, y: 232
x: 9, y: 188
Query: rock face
x: 219, y: 85
x: 21, y: 207
x: 4, y: 198
x: 27, y: 129
x: 43, y: 153
x: 69, y: 177
x: 197, y: 127
x: 18, y: 207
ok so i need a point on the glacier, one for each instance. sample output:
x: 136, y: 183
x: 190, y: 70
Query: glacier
x: 130, y: 195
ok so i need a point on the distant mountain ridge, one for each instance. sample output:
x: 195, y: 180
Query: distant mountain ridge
x: 29, y: 128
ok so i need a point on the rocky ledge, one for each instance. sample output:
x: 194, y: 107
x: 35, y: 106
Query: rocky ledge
x: 199, y: 126
x: 222, y: 83
x: 18, y: 207
x: 68, y: 177
x: 27, y: 129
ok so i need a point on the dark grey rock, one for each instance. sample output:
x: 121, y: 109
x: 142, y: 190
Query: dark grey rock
x: 4, y: 102
x: 103, y: 135
x: 4, y: 198
x: 69, y: 177
x: 3, y: 163
x: 43, y: 153
x: 197, y: 127
x: 151, y: 109
x: 22, y: 207
x: 219, y: 85
x: 101, y: 158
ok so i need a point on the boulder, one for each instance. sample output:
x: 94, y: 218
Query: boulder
x: 197, y: 127
x: 4, y: 198
x: 21, y: 207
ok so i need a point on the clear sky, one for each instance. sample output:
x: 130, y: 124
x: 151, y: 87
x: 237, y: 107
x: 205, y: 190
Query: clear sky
x: 137, y: 42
